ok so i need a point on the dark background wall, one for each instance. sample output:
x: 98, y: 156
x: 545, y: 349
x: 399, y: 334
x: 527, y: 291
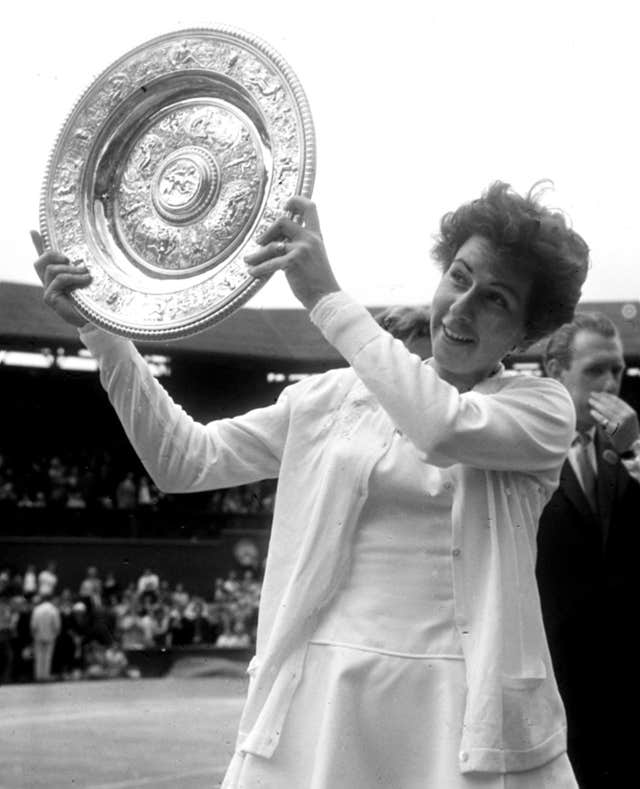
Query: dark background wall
x: 55, y: 409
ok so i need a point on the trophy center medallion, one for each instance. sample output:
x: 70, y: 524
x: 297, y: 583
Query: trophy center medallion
x: 186, y: 185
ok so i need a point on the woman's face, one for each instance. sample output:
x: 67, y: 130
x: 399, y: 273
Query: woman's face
x: 478, y: 314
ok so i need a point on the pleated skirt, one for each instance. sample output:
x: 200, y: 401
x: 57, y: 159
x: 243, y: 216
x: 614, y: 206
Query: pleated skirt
x: 364, y: 719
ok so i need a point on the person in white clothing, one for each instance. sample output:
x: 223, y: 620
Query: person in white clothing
x: 400, y: 639
x: 45, y: 629
x: 149, y: 581
x: 47, y: 580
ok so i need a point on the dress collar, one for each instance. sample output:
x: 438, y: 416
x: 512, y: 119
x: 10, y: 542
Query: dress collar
x: 497, y: 372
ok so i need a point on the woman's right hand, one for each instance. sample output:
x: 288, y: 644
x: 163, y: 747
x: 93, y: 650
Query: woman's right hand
x: 59, y: 278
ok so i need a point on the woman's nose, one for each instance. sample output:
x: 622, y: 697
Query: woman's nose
x: 463, y: 306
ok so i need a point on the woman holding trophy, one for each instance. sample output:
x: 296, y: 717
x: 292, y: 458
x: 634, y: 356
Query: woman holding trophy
x: 400, y: 640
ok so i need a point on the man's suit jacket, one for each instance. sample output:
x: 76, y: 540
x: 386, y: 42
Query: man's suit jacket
x: 588, y: 576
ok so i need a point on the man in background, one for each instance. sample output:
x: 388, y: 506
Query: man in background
x: 409, y: 324
x: 45, y: 629
x: 588, y: 554
x: 7, y: 627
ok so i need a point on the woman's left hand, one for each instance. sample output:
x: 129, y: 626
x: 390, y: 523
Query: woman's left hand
x: 296, y: 248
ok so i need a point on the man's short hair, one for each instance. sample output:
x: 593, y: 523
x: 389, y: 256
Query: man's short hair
x: 404, y: 322
x: 560, y: 344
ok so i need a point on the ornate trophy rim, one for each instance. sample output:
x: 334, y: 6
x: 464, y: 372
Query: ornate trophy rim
x: 175, y: 303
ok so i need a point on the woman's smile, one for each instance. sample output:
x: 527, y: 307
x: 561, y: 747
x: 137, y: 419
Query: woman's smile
x: 456, y: 337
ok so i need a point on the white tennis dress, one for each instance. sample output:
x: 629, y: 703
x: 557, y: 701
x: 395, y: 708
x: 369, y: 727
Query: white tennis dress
x: 382, y: 697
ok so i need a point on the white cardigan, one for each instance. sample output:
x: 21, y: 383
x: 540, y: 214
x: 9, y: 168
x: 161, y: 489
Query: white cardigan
x: 508, y: 438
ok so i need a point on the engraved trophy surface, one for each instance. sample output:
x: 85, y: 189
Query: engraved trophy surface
x: 172, y: 162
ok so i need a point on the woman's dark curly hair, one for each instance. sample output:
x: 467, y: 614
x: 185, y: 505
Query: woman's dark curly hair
x: 532, y: 238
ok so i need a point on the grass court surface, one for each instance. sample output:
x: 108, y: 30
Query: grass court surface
x: 119, y: 734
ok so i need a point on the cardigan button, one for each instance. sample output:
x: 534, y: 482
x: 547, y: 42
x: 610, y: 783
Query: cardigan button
x: 464, y: 756
x: 456, y: 552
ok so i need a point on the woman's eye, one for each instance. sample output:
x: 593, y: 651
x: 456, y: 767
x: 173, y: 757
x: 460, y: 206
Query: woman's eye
x: 496, y: 298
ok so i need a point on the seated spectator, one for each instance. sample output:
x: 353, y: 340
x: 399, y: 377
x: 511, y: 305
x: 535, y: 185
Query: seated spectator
x: 219, y: 592
x: 13, y: 584
x: 250, y: 586
x: 107, y: 662
x: 179, y: 597
x: 147, y: 493
x: 164, y: 593
x: 219, y: 620
x: 75, y: 499
x: 65, y: 602
x: 95, y: 660
x: 178, y: 635
x: 75, y: 633
x: 268, y: 500
x: 56, y: 471
x: 5, y: 578
x: 116, y: 663
x: 149, y: 581
x: 160, y: 626
x: 111, y: 589
x: 8, y: 494
x: 197, y: 625
x: 47, y: 581
x: 38, y: 500
x: 136, y: 629
x: 88, y: 484
x: 30, y: 582
x: 231, y: 585
x: 102, y: 626
x: 91, y: 588
x: 57, y: 474
x: 238, y: 637
x: 25, y: 500
x: 126, y: 493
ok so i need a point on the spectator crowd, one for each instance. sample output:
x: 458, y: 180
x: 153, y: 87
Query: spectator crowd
x: 53, y: 632
x: 91, y: 480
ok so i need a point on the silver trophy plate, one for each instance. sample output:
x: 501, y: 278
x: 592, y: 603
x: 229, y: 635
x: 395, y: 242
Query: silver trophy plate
x: 173, y: 161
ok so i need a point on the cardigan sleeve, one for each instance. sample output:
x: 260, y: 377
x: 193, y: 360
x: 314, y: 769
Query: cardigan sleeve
x: 180, y: 454
x: 526, y: 424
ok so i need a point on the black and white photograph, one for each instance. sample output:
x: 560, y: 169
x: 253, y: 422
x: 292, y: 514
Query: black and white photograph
x: 320, y: 394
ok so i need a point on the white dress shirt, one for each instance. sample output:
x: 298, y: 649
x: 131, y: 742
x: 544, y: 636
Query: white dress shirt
x: 590, y: 450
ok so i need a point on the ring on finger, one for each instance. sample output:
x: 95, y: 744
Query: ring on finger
x: 281, y: 248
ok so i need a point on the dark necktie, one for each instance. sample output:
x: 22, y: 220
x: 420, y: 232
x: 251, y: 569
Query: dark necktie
x: 587, y: 473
